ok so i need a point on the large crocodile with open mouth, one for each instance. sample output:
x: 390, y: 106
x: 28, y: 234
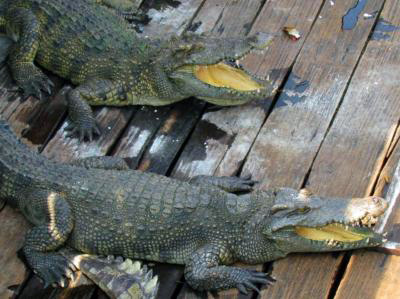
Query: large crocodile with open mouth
x: 99, y: 206
x: 88, y: 43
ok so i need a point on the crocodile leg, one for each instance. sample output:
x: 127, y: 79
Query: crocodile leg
x: 102, y: 162
x: 227, y: 183
x: 95, y: 92
x: 52, y: 214
x: 28, y: 77
x: 204, y: 271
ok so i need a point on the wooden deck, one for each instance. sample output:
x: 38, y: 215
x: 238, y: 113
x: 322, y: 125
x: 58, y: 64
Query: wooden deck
x: 333, y: 127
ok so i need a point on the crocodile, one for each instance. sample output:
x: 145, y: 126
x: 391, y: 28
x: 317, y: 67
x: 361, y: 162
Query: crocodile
x: 206, y: 223
x: 90, y: 44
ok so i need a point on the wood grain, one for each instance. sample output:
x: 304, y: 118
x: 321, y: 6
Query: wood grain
x: 288, y: 142
x: 370, y: 274
x: 373, y: 93
x: 315, y: 114
x: 222, y: 138
x: 12, y: 269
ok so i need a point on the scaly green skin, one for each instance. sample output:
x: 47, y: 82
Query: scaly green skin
x: 147, y: 216
x: 93, y: 47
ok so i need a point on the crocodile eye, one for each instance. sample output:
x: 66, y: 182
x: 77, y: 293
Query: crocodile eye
x: 299, y: 211
x: 303, y: 210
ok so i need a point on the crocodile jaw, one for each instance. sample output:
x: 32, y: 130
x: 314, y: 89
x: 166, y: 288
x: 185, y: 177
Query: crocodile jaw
x: 223, y: 75
x: 329, y: 225
x: 340, y: 236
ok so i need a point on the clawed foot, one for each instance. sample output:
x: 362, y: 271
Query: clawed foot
x: 244, y: 184
x: 248, y: 279
x: 227, y: 183
x: 86, y: 130
x: 55, y: 270
x: 35, y: 84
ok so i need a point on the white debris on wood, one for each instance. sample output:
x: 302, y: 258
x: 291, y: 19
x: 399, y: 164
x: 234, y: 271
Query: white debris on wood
x: 159, y: 144
x: 171, y: 19
x: 206, y: 166
x: 139, y: 136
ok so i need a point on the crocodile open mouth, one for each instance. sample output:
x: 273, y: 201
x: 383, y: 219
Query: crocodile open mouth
x: 335, y: 234
x: 224, y: 75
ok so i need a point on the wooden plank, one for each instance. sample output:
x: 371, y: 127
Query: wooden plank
x: 288, y: 142
x: 374, y: 94
x: 11, y: 240
x: 139, y: 132
x: 173, y: 19
x: 370, y: 274
x: 222, y: 139
x: 112, y: 120
x: 36, y: 120
x: 170, y: 137
x: 8, y: 98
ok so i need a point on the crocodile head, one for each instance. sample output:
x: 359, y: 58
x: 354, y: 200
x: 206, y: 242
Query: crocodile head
x: 302, y: 222
x: 209, y: 68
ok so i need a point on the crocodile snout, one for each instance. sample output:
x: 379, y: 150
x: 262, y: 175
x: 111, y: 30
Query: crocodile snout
x: 365, y: 210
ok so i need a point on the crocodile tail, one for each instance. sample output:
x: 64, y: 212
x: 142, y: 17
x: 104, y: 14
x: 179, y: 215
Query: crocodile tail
x: 116, y: 277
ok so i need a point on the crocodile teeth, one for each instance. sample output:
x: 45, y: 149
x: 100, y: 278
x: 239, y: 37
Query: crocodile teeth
x: 151, y: 285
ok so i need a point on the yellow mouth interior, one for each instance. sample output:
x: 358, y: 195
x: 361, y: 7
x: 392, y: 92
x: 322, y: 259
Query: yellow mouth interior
x: 223, y: 75
x: 329, y: 232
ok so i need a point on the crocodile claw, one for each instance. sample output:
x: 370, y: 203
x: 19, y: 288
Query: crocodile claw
x: 84, y: 132
x: 37, y: 87
x: 249, y: 278
x: 237, y: 184
x: 56, y: 271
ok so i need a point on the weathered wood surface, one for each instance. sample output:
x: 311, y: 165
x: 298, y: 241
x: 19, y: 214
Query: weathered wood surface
x: 288, y: 142
x: 221, y: 140
x: 370, y: 274
x: 374, y: 90
x: 329, y: 119
x: 13, y: 271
